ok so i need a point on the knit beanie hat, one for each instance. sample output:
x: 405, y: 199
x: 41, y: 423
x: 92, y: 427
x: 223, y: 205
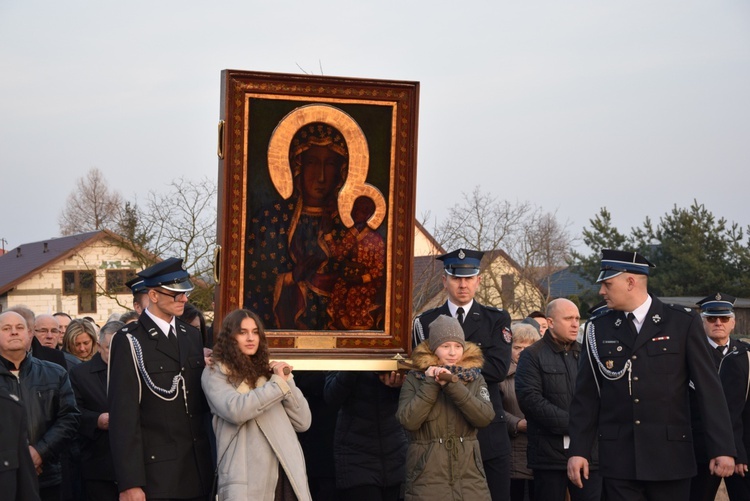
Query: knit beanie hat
x: 444, y: 329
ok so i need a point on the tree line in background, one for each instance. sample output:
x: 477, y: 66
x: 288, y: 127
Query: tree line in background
x: 694, y: 251
x: 178, y: 222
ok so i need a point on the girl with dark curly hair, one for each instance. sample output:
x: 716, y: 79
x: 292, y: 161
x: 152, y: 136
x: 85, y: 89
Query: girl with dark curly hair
x: 258, y: 411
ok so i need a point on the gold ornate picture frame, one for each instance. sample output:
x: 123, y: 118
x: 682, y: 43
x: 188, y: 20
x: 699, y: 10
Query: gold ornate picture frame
x: 317, y: 179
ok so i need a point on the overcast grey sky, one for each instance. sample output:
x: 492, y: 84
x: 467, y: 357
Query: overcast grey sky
x: 632, y: 105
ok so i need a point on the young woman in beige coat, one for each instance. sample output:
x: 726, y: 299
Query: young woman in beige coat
x: 258, y: 411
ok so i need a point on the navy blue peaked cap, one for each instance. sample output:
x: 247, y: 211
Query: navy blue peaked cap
x: 136, y: 285
x: 615, y: 262
x: 168, y: 274
x: 462, y: 262
x: 717, y: 305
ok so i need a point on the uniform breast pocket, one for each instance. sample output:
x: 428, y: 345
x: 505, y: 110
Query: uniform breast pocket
x: 613, y: 355
x: 664, y: 356
x: 162, y: 370
x: 610, y: 349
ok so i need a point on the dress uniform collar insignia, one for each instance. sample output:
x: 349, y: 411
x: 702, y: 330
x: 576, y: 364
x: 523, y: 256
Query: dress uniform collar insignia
x: 656, y: 318
x: 152, y: 332
x: 618, y: 322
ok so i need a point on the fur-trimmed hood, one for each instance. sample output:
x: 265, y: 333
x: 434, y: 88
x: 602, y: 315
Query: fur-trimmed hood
x: 422, y: 357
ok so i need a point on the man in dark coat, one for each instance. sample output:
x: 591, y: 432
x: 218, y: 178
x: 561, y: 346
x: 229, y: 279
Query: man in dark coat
x: 369, y: 444
x: 18, y: 481
x: 158, y: 414
x: 545, y: 380
x: 632, y: 391
x: 89, y: 381
x: 717, y: 311
x: 489, y: 328
x: 44, y: 390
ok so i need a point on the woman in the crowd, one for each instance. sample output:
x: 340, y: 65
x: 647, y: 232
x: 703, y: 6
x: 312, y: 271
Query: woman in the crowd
x: 521, y: 477
x: 80, y: 339
x: 258, y: 411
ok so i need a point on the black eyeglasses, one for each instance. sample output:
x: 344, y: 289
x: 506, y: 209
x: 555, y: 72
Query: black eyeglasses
x: 176, y: 295
x: 712, y: 320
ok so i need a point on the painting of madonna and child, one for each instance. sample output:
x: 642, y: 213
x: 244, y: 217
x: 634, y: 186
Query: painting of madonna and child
x: 316, y: 242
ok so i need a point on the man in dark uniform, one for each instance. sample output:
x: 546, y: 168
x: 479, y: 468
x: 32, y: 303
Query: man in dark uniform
x: 632, y: 391
x: 157, y: 411
x: 735, y: 378
x: 489, y: 328
x: 717, y: 311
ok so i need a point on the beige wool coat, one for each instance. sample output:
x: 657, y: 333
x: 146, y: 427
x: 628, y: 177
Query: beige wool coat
x: 270, y: 415
x: 443, y: 460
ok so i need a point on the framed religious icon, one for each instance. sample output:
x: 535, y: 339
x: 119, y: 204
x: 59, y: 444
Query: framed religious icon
x: 317, y: 179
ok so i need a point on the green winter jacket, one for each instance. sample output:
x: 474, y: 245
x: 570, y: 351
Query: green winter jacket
x: 443, y: 460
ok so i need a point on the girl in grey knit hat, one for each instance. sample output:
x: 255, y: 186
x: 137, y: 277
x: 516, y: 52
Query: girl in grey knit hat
x: 442, y: 415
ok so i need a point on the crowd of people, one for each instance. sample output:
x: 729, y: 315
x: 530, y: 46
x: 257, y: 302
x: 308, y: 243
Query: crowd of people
x: 647, y: 402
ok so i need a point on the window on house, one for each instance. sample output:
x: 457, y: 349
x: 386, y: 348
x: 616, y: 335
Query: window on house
x: 116, y: 280
x: 83, y: 284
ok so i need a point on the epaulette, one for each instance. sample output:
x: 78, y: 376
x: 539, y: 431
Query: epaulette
x: 491, y: 308
x: 426, y: 312
x: 682, y: 309
x: 601, y: 315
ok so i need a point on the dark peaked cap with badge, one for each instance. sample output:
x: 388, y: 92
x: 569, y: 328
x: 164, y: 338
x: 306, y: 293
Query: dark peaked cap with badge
x: 616, y: 262
x: 462, y: 262
x: 717, y: 305
x: 169, y: 274
x: 136, y: 285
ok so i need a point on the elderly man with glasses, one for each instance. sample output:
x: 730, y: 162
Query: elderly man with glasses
x: 735, y: 378
x: 717, y: 312
x: 157, y: 409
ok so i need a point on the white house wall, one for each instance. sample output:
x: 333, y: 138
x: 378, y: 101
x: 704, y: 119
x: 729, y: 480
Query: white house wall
x: 42, y: 292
